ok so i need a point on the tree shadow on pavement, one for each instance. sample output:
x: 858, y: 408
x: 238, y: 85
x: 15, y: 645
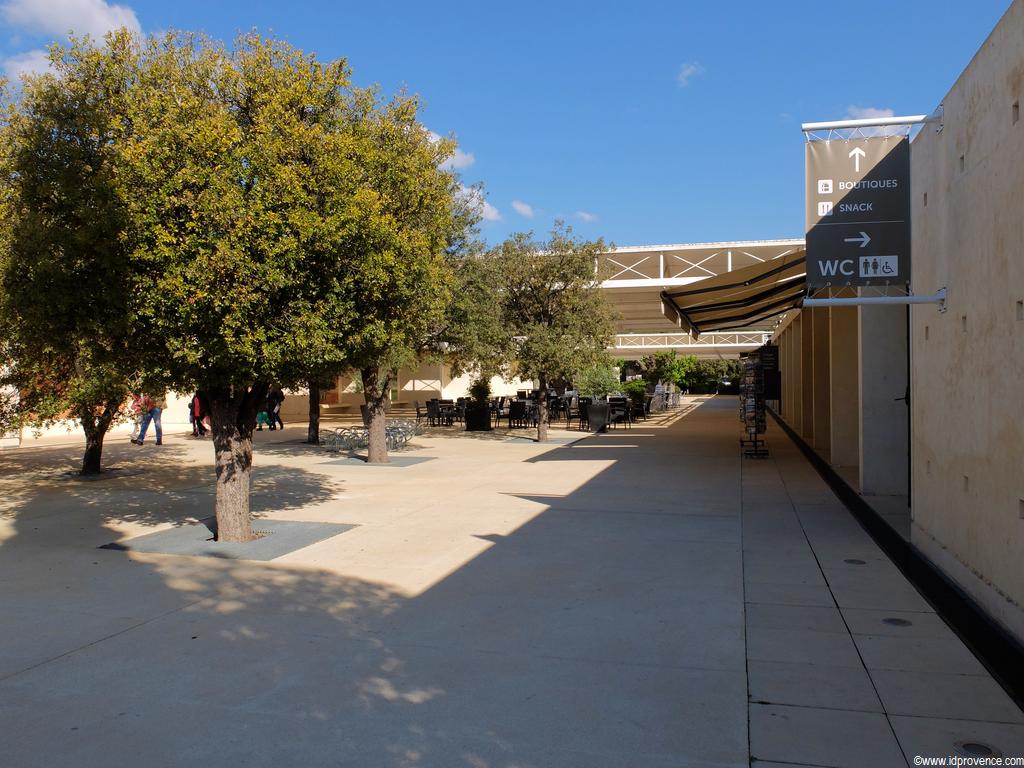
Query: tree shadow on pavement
x: 568, y: 640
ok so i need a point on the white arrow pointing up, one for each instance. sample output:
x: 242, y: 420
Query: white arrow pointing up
x: 857, y: 153
x: 864, y: 239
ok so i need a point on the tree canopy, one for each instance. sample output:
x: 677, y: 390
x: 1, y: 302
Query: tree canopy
x: 412, y: 219
x: 67, y: 303
x: 552, y: 307
x: 185, y: 214
x: 244, y: 165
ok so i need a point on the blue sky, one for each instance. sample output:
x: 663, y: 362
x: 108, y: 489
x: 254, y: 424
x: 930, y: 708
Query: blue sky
x: 659, y: 123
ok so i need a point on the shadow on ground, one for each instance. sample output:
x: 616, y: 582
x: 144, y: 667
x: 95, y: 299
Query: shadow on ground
x: 570, y: 642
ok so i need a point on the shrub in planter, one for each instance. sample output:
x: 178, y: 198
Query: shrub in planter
x: 478, y: 411
x: 636, y: 389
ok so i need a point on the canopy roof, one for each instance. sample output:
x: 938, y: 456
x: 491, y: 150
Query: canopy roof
x: 634, y: 277
x: 742, y: 298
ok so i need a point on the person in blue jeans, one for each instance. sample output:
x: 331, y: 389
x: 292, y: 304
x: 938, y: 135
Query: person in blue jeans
x: 150, y: 410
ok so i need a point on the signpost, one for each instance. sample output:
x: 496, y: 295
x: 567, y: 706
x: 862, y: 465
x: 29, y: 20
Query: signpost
x: 858, y: 212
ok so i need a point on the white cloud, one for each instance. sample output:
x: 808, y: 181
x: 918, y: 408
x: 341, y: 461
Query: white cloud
x: 457, y: 161
x: 58, y: 17
x: 523, y: 209
x: 866, y: 113
x: 688, y: 71
x: 460, y: 160
x: 476, y: 199
x: 862, y: 113
x: 586, y: 216
x: 28, y: 63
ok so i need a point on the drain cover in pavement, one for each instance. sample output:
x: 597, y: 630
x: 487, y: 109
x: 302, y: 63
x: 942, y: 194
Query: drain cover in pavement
x: 976, y: 749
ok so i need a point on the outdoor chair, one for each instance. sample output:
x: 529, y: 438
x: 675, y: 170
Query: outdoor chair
x: 619, y: 411
x: 421, y: 415
x: 637, y: 409
x: 447, y: 411
x: 517, y: 414
x: 583, y: 405
x: 497, y: 408
x: 570, y: 408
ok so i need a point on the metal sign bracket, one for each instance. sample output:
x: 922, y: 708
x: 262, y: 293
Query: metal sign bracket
x: 939, y: 297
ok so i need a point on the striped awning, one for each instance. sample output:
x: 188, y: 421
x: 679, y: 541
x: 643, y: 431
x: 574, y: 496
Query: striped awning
x: 742, y: 298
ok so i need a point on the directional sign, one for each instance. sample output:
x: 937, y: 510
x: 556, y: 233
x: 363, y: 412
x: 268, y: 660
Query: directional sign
x: 858, y: 212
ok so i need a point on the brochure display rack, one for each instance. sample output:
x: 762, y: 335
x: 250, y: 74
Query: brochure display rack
x: 752, y: 407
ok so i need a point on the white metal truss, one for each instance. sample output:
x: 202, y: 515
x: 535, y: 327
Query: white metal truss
x: 623, y: 269
x: 675, y: 265
x: 684, y: 341
x: 692, y: 265
x: 848, y: 134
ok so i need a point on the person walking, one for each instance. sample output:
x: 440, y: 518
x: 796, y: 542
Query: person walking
x: 274, y: 400
x: 197, y: 413
x: 150, y: 409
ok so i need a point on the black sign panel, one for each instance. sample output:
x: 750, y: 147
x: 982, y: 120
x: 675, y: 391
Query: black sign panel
x: 858, y: 212
x: 769, y: 358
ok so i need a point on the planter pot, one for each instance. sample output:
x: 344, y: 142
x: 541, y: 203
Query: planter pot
x: 597, y: 416
x: 478, y: 418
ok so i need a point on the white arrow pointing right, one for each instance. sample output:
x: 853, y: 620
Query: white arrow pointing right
x: 864, y: 239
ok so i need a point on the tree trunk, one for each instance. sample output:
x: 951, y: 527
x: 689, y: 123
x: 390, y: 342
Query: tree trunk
x: 91, y: 461
x: 313, y: 432
x: 95, y: 428
x: 232, y: 420
x: 375, y: 391
x: 542, y: 410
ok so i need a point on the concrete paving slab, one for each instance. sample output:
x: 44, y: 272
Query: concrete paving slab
x: 789, y: 594
x: 899, y: 597
x: 929, y: 737
x: 939, y: 655
x: 896, y: 623
x: 828, y: 737
x: 801, y: 646
x: 397, y: 462
x: 782, y: 574
x: 937, y: 695
x: 812, y: 685
x: 277, y: 538
x: 795, y: 617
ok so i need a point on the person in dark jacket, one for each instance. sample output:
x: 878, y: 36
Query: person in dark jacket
x: 200, y: 414
x: 274, y: 400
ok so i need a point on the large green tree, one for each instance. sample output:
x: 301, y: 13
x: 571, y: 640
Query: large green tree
x: 411, y: 220
x: 473, y: 337
x: 553, y: 307
x: 244, y: 170
x: 66, y: 299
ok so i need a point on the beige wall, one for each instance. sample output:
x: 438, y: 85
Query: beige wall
x: 822, y: 399
x: 844, y: 393
x: 173, y: 418
x: 421, y: 384
x: 883, y: 411
x: 968, y: 364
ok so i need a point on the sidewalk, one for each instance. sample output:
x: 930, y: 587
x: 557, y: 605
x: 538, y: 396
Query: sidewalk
x: 848, y: 665
x: 628, y: 600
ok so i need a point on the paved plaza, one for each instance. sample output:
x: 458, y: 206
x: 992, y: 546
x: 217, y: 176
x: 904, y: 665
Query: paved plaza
x: 644, y: 598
